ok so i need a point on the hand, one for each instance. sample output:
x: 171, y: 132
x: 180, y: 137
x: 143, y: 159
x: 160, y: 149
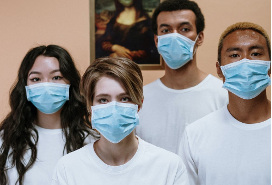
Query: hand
x: 121, y: 51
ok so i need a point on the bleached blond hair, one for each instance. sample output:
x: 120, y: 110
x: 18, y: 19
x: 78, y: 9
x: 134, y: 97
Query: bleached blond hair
x: 242, y: 26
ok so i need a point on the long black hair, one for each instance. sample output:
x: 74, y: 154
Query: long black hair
x: 17, y: 130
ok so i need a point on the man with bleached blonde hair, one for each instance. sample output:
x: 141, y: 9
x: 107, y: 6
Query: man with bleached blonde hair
x: 232, y: 146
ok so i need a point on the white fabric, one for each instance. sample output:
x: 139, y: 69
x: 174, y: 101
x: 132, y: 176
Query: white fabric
x: 166, y: 112
x: 49, y: 150
x: 220, y: 150
x: 150, y: 165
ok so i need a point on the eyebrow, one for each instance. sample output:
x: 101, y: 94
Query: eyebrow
x: 185, y: 23
x: 181, y: 24
x: 37, y: 72
x: 233, y: 49
x: 34, y: 72
x: 123, y: 94
x: 102, y: 95
x: 256, y: 47
x: 164, y: 25
x: 239, y: 49
x: 107, y: 95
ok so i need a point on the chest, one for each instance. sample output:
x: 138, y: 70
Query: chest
x: 50, y: 150
x: 234, y: 157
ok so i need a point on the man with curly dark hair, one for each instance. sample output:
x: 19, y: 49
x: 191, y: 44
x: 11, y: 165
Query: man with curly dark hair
x: 185, y: 93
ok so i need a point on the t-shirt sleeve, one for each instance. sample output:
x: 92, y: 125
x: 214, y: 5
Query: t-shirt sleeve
x: 181, y: 176
x: 186, y: 155
x: 59, y: 175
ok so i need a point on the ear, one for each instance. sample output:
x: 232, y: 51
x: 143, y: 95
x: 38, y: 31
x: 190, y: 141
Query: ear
x: 156, y: 40
x: 200, y: 38
x: 219, y: 71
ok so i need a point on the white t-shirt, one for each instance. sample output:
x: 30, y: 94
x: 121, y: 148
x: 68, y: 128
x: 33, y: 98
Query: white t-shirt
x: 150, y: 165
x: 50, y: 149
x: 166, y: 112
x: 220, y: 150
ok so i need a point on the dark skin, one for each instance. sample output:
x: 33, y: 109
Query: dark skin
x: 182, y: 22
x: 251, y: 45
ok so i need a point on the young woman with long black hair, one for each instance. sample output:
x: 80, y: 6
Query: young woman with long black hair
x: 46, y: 119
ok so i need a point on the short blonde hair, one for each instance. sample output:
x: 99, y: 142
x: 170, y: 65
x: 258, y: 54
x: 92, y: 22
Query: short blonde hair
x: 123, y: 69
x: 242, y: 26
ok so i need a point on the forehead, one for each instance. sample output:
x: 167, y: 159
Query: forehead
x: 108, y: 85
x: 43, y: 62
x: 244, y: 39
x: 176, y: 17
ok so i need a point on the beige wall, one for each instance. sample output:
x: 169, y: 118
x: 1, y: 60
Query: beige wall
x: 28, y: 23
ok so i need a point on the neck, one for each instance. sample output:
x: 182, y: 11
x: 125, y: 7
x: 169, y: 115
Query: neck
x: 129, y: 8
x: 185, y: 77
x: 127, y: 16
x: 255, y: 110
x: 49, y: 121
x: 116, y: 154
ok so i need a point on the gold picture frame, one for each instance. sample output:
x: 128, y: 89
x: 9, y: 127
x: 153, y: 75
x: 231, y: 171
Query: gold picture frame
x: 102, y: 12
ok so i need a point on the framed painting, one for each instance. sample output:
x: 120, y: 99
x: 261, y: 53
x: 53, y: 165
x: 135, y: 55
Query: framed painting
x: 123, y: 28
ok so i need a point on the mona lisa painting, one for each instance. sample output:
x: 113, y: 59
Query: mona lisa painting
x: 123, y: 28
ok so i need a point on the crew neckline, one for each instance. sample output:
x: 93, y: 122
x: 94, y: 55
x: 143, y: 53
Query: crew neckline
x: 246, y: 126
x: 159, y: 82
x: 47, y: 131
x: 116, y: 169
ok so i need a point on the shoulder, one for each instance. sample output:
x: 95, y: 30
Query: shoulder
x: 152, y: 85
x: 213, y: 81
x: 207, y: 123
x: 157, y: 151
x: 214, y: 86
x: 75, y: 157
x: 151, y: 88
x: 158, y: 158
x: 160, y: 155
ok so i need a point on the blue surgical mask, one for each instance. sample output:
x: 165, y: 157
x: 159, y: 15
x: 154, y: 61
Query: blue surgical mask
x: 246, y: 78
x: 48, y: 97
x: 115, y: 120
x: 176, y: 49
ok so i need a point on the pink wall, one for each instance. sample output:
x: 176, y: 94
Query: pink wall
x: 29, y: 23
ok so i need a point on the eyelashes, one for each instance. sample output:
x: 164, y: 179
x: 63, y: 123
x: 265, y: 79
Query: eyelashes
x: 37, y: 79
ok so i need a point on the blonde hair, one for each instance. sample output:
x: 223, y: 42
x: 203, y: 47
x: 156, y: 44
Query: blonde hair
x: 242, y: 26
x: 122, y: 69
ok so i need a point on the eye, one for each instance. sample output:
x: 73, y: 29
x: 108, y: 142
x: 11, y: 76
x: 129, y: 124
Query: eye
x: 165, y: 30
x: 234, y: 55
x: 125, y: 99
x: 103, y: 100
x: 35, y: 79
x: 256, y: 54
x: 185, y: 29
x: 57, y: 78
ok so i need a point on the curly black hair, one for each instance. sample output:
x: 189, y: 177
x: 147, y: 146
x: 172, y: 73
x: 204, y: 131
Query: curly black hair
x: 174, y: 5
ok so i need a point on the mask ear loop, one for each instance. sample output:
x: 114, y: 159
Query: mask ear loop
x: 194, y: 52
